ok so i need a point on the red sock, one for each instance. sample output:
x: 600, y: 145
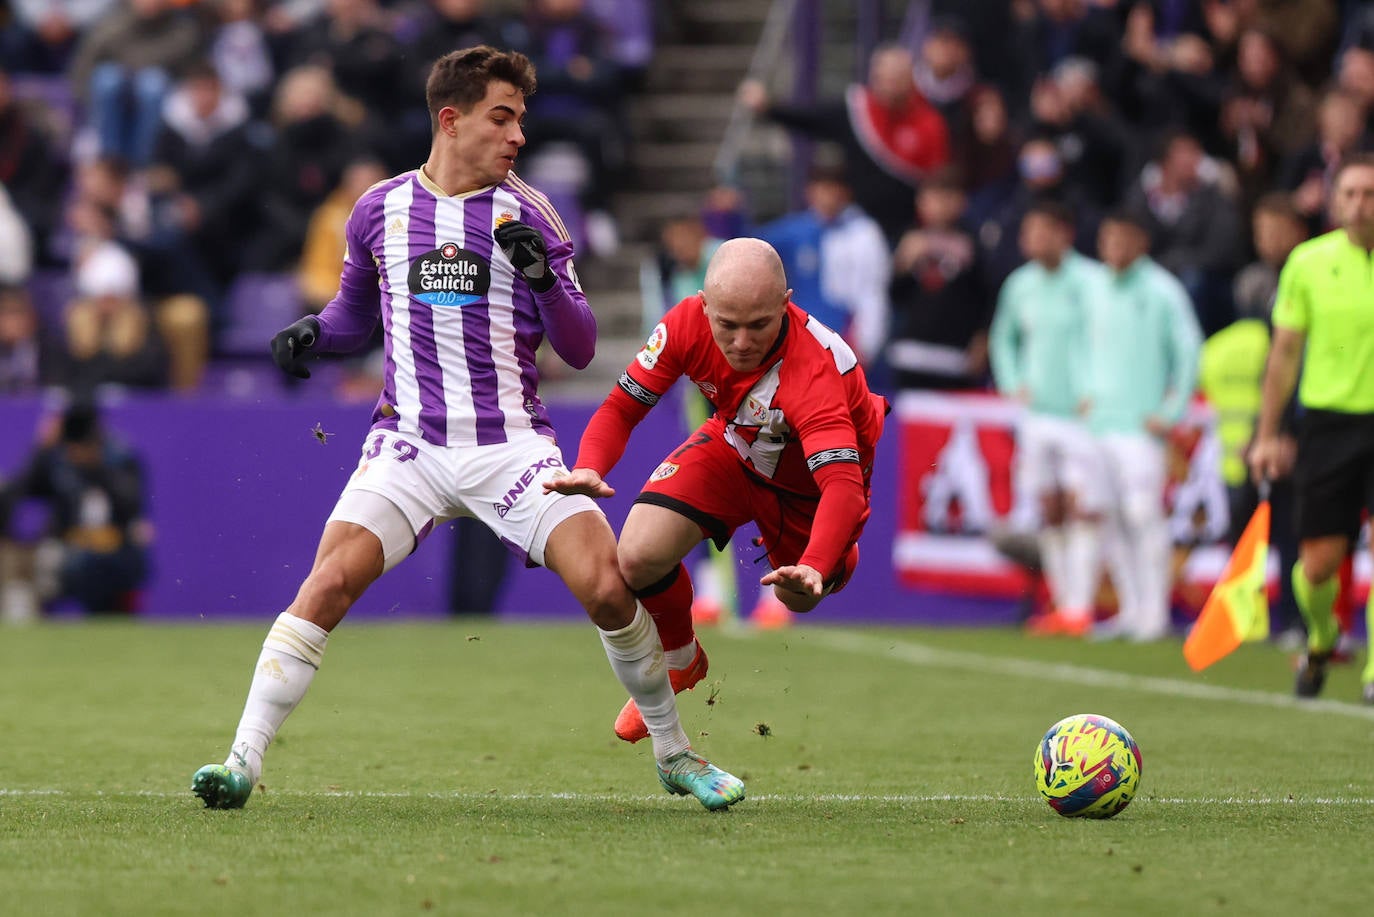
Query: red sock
x: 1344, y: 608
x: 670, y: 602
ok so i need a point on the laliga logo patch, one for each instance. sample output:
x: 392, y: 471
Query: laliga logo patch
x: 658, y: 339
x: 666, y: 470
x: 449, y: 276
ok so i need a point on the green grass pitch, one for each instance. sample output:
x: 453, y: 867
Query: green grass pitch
x: 468, y: 767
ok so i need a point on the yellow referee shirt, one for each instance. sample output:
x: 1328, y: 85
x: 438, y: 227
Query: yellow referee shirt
x: 1326, y: 291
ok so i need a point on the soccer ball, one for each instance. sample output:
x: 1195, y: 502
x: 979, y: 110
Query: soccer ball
x: 1087, y: 766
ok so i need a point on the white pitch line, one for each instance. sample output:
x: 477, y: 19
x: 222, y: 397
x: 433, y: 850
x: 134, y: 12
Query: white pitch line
x: 983, y: 663
x: 787, y: 798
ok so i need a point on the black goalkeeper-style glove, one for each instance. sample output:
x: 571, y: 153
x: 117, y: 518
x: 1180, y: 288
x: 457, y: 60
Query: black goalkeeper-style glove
x: 290, y: 345
x: 525, y: 248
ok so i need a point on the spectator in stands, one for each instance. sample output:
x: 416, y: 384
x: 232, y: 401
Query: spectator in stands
x: 578, y: 103
x: 312, y: 144
x: 685, y: 248
x: 941, y: 306
x: 323, y: 255
x: 241, y: 52
x: 1266, y: 115
x: 1048, y: 31
x: 890, y: 134
x: 32, y: 169
x: 41, y: 34
x: 1355, y: 74
x: 1042, y: 177
x: 109, y: 333
x: 1308, y: 172
x: 16, y: 244
x: 1095, y: 145
x: 351, y: 39
x: 1187, y: 201
x: 26, y: 351
x: 988, y: 162
x: 837, y: 261
x: 945, y: 75
x: 93, y: 486
x: 1276, y: 229
x: 1169, y: 72
x: 169, y: 278
x: 202, y: 177
x: 124, y: 68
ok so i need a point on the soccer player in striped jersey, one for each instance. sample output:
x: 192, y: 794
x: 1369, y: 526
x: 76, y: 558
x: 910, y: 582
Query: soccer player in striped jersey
x: 468, y: 269
x: 790, y: 447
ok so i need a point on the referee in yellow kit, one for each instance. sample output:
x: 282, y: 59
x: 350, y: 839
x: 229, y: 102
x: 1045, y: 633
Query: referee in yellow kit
x: 1324, y: 323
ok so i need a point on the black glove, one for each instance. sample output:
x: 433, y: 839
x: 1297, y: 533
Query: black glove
x: 524, y: 246
x: 289, y: 346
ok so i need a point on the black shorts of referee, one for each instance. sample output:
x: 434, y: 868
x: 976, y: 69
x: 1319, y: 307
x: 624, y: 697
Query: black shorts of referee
x: 1334, y: 475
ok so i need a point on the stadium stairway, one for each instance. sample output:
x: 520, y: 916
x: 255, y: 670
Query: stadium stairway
x: 677, y: 122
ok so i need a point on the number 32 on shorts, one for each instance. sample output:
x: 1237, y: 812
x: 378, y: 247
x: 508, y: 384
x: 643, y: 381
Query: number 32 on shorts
x: 405, y: 451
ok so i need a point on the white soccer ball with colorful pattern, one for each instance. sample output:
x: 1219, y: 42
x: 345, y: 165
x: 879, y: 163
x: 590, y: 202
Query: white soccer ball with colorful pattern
x: 1087, y: 766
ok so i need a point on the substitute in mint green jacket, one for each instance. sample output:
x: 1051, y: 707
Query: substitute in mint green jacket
x: 1037, y: 343
x: 1143, y: 347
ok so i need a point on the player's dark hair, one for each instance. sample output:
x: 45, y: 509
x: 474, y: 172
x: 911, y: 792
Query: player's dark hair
x: 1129, y: 216
x: 460, y: 78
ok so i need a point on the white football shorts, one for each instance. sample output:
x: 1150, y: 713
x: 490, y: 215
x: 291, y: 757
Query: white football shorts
x: 1058, y: 453
x: 500, y: 485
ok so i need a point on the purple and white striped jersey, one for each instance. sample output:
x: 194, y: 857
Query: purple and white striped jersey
x: 461, y: 325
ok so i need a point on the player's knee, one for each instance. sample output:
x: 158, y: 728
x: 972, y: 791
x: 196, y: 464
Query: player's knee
x: 640, y: 569
x: 607, y: 600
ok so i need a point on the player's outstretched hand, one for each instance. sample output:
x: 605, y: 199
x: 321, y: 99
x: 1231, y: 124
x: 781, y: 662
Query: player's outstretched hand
x: 580, y: 481
x: 800, y: 579
x: 525, y: 248
x: 290, y: 345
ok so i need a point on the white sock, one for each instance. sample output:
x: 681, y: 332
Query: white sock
x: 637, y: 659
x: 681, y: 657
x: 1082, y: 566
x: 1053, y: 561
x: 1124, y: 567
x: 290, y: 655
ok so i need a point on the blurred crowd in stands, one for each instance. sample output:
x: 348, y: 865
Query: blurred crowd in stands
x: 164, y: 163
x: 175, y: 174
x: 1217, y: 123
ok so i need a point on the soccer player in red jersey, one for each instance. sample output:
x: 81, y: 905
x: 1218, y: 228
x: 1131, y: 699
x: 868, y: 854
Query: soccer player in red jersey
x: 790, y: 447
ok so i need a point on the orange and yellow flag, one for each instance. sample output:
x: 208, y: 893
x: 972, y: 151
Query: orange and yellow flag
x: 1237, y: 611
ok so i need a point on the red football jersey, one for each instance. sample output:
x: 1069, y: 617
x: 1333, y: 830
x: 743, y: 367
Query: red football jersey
x: 806, y: 406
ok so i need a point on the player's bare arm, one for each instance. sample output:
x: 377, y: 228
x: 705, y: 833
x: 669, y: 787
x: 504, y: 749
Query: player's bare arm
x: 1268, y: 457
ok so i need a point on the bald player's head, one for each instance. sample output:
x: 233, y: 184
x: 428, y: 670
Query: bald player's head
x: 745, y: 296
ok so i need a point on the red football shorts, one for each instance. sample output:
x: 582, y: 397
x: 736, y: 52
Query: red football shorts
x: 704, y: 480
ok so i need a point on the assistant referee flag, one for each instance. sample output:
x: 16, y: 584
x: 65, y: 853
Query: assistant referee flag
x: 1237, y: 611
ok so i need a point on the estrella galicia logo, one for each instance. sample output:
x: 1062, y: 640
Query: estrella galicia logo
x: 449, y: 276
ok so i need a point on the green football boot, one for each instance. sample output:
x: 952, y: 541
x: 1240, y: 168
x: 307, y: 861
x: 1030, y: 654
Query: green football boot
x: 688, y: 772
x: 222, y: 787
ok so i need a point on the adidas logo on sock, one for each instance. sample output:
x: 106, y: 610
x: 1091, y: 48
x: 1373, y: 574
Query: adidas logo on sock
x: 272, y: 669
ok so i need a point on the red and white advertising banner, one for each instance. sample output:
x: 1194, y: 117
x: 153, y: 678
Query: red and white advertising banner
x: 957, y: 491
